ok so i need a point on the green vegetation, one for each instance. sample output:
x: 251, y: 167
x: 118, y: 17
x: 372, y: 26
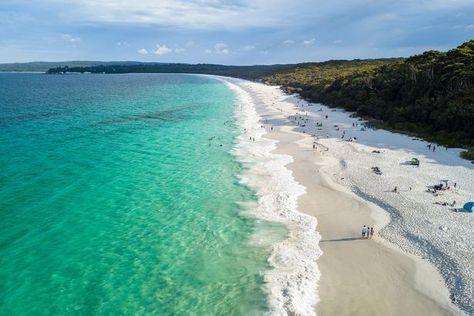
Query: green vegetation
x: 247, y: 72
x: 468, y: 154
x: 429, y: 95
x: 43, y: 66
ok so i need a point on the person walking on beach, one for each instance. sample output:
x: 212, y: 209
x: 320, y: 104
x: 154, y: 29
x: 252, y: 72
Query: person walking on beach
x: 371, y: 232
x: 364, y: 231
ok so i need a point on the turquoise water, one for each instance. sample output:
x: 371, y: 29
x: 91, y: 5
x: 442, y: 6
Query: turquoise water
x: 119, y: 195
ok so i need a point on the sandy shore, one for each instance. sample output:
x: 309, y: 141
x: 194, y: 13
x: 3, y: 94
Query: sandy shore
x: 358, y: 276
x: 370, y: 277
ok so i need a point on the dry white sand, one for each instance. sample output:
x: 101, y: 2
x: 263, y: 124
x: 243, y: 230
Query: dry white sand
x: 370, y: 277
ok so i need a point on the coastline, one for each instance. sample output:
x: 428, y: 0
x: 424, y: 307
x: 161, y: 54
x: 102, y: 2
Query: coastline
x: 357, y: 276
x: 291, y: 283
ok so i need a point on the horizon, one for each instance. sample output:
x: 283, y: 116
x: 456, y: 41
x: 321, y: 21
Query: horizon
x: 197, y: 63
x: 234, y: 32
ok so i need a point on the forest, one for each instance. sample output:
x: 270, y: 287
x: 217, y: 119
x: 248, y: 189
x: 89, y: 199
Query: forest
x: 247, y: 72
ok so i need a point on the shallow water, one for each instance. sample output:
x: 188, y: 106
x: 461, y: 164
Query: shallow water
x: 119, y: 195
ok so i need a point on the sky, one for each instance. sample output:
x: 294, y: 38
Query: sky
x: 238, y: 32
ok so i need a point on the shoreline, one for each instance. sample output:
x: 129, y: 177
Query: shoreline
x: 291, y: 283
x: 384, y: 279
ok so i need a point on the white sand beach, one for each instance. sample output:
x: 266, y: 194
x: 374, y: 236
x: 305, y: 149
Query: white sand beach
x: 421, y: 257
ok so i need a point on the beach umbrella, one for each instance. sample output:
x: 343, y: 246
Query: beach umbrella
x: 469, y: 206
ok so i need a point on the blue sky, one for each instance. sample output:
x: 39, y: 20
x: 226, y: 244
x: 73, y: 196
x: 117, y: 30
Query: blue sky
x: 229, y: 31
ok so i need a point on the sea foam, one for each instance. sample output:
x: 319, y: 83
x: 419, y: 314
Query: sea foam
x: 291, y: 284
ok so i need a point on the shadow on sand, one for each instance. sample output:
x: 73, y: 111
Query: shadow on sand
x: 343, y: 239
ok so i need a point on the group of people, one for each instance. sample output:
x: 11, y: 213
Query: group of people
x: 433, y: 147
x: 437, y: 188
x: 367, y: 232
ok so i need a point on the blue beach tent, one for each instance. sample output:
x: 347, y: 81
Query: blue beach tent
x: 469, y: 206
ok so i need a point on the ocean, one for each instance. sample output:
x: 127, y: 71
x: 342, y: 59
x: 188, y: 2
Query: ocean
x: 122, y: 194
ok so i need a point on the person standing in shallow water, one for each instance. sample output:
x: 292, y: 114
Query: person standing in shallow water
x: 371, y: 232
x: 365, y: 231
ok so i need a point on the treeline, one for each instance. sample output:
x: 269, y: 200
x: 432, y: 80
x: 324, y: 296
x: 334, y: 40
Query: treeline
x: 429, y: 95
x: 247, y: 72
x: 43, y: 66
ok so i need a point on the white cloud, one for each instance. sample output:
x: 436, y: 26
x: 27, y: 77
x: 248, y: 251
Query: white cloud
x: 248, y: 48
x: 162, y: 50
x: 70, y: 38
x: 186, y: 14
x: 309, y: 42
x: 268, y: 22
x: 338, y: 41
x: 237, y: 14
x: 124, y: 44
x: 189, y: 44
x: 264, y: 52
x: 221, y: 48
x: 208, y: 51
